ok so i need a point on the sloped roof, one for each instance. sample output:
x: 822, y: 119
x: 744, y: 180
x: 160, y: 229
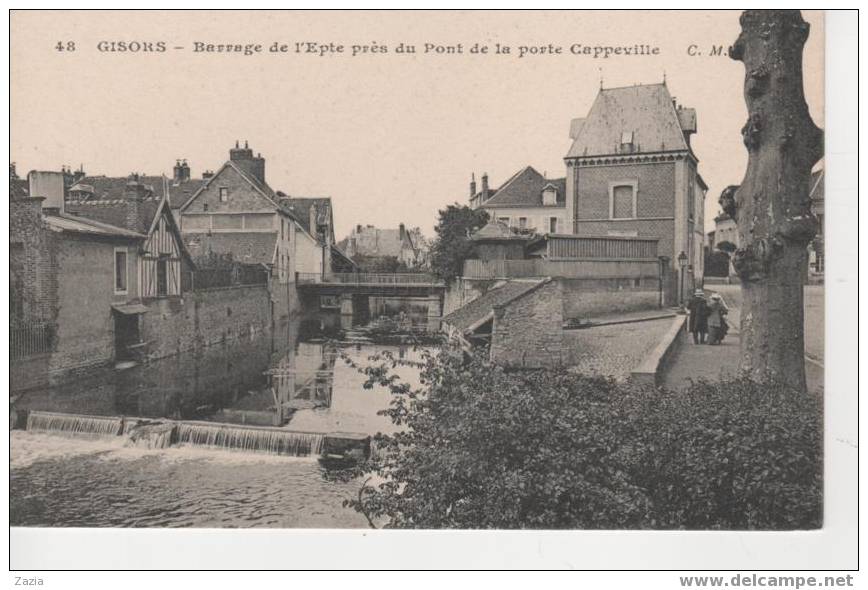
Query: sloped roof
x: 107, y: 188
x: 114, y: 212
x: 525, y: 188
x: 495, y: 230
x: 477, y: 311
x: 66, y: 223
x: 300, y: 208
x: 645, y: 110
x: 245, y: 247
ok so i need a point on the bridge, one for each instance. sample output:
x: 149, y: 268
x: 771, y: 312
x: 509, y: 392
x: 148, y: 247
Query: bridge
x: 354, y: 290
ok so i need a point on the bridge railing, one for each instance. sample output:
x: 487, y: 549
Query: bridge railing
x: 368, y: 278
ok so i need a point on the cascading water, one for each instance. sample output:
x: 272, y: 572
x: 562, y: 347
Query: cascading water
x: 74, y: 424
x: 163, y: 434
x: 263, y: 440
x: 150, y: 435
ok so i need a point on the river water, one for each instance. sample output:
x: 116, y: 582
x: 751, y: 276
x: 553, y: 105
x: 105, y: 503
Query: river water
x: 83, y: 481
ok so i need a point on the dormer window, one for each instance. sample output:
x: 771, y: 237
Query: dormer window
x: 627, y: 146
x: 224, y: 194
x: 550, y: 195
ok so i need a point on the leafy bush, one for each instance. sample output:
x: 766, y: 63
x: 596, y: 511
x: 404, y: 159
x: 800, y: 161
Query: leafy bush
x: 482, y: 447
x: 717, y: 264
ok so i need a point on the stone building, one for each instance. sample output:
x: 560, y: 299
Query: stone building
x: 725, y: 230
x: 527, y: 201
x: 631, y: 171
x: 375, y: 245
x: 521, y: 320
x: 236, y: 212
x: 73, y: 282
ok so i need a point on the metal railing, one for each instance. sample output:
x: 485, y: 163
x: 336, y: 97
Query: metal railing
x: 28, y: 339
x: 368, y: 278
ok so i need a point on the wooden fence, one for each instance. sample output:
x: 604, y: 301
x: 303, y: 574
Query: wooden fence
x: 579, y: 247
x: 573, y: 269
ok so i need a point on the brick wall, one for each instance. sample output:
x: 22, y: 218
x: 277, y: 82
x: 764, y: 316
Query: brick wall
x: 31, y: 263
x: 655, y: 196
x: 205, y: 318
x: 528, y: 332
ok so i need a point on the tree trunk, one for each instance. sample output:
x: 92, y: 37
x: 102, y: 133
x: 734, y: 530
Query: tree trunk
x: 772, y: 206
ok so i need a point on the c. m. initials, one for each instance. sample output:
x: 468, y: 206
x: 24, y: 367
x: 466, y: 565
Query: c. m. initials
x: 714, y: 51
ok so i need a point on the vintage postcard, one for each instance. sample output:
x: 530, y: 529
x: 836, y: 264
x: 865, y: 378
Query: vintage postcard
x: 539, y: 270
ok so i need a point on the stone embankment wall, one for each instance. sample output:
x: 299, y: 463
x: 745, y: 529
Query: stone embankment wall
x: 528, y: 331
x: 203, y: 318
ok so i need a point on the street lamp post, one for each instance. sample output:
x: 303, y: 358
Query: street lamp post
x: 682, y: 261
x: 664, y: 262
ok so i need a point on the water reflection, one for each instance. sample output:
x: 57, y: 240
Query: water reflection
x: 293, y: 377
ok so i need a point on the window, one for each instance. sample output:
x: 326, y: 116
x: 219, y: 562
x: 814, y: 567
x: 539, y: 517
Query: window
x: 503, y: 220
x: 553, y: 225
x: 120, y: 271
x: 224, y: 194
x: 522, y: 222
x: 550, y: 196
x: 162, y: 276
x: 691, y: 197
x: 622, y: 200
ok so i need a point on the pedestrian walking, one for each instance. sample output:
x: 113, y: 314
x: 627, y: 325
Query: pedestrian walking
x: 697, y: 324
x: 717, y: 311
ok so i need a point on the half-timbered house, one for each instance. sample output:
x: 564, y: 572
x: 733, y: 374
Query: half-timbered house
x: 141, y: 204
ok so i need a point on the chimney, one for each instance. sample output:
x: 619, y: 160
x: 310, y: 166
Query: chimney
x: 243, y: 158
x: 68, y: 178
x: 258, y: 168
x: 239, y: 154
x: 207, y: 174
x: 472, y: 185
x: 312, y: 219
x: 134, y: 194
x: 181, y: 172
x: 401, y: 231
x: 79, y: 174
x: 359, y: 228
x: 50, y: 186
x: 484, y: 186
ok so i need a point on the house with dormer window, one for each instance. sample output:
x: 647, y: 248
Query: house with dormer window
x: 527, y: 201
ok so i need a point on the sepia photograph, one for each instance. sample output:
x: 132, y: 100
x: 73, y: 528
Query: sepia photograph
x: 477, y: 270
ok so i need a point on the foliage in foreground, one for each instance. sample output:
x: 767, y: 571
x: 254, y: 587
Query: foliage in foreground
x: 481, y: 447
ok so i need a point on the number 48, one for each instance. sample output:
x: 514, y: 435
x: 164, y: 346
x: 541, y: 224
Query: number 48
x: 67, y: 46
